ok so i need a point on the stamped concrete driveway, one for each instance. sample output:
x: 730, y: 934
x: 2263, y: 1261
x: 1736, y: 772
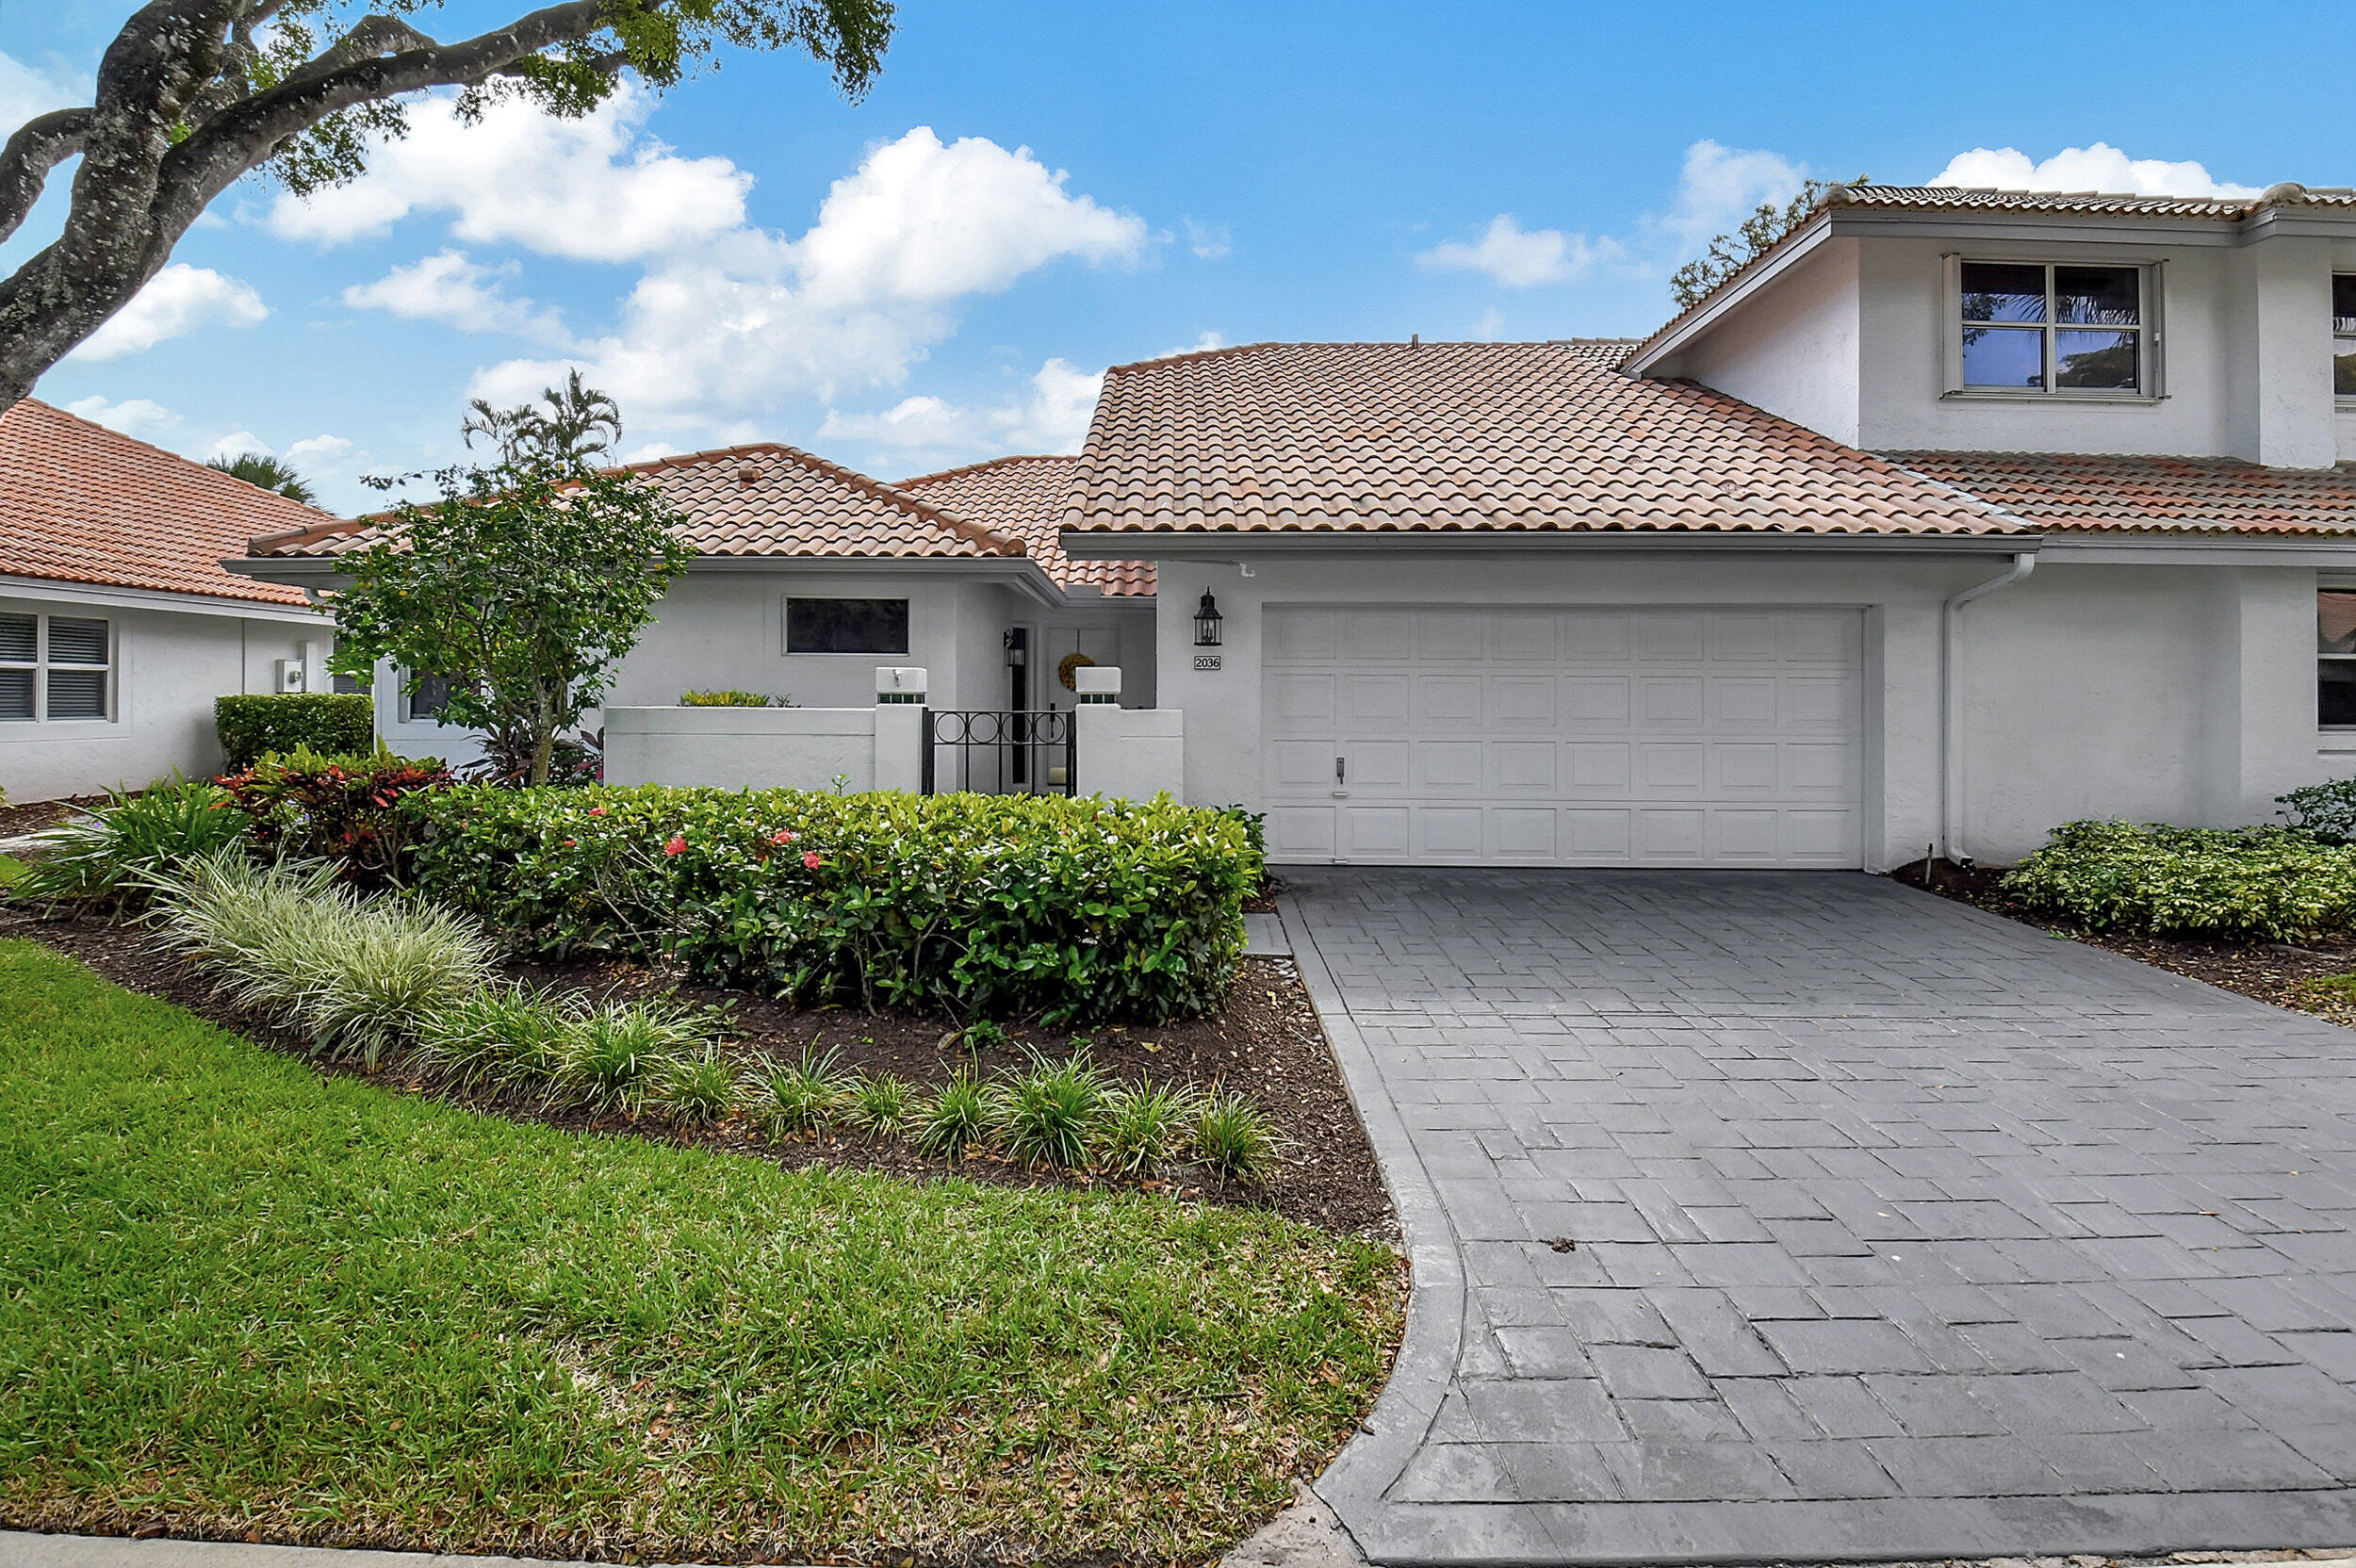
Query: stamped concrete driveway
x: 1808, y: 1216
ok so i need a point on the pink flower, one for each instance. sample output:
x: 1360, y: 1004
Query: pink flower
x: 572, y: 843
x: 596, y: 810
x: 677, y: 846
x: 781, y: 836
x: 809, y: 858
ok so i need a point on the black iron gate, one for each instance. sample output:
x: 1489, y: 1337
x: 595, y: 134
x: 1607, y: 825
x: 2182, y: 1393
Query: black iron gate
x: 999, y: 751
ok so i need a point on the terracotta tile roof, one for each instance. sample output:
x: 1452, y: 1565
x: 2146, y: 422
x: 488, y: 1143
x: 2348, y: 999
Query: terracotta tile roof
x: 1443, y: 436
x: 2059, y: 491
x: 82, y: 503
x: 763, y: 499
x: 1024, y: 496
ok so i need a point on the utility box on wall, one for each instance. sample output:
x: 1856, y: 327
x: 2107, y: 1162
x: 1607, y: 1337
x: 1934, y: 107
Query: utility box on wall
x: 288, y: 677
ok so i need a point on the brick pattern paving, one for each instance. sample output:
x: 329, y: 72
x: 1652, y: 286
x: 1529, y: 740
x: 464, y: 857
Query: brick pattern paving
x: 1812, y: 1211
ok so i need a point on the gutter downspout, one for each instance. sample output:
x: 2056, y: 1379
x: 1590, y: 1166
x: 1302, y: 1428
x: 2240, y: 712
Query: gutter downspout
x: 1950, y: 716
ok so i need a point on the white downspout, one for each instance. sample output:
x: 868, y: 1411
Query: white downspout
x: 1950, y: 707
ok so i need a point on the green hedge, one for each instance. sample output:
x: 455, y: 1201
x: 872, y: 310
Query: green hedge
x: 335, y: 723
x: 2270, y: 882
x: 1005, y: 906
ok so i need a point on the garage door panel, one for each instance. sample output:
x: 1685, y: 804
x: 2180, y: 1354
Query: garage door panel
x: 1565, y: 736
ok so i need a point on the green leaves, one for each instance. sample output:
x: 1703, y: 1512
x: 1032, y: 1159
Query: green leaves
x: 982, y: 905
x: 2268, y: 882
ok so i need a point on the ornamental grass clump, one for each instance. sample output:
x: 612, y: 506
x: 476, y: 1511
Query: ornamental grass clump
x: 110, y: 859
x: 878, y: 1104
x: 699, y: 1091
x: 1232, y: 1139
x: 2264, y: 882
x: 956, y: 1120
x: 793, y: 1099
x: 1049, y: 1116
x: 618, y: 1057
x: 1144, y: 1127
x: 501, y: 1038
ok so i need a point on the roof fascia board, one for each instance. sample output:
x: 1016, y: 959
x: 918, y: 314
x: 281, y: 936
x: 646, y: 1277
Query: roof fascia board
x: 2228, y: 549
x: 156, y: 598
x: 2300, y: 223
x: 1015, y: 571
x: 2065, y: 227
x: 1233, y: 545
x: 1810, y: 235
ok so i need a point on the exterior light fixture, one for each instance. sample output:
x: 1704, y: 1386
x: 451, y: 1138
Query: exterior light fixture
x: 1206, y: 623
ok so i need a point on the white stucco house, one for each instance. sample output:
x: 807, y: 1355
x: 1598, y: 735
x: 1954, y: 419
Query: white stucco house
x: 1956, y: 514
x: 118, y: 625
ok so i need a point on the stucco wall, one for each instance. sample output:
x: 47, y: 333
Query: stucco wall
x: 171, y: 665
x: 1796, y: 351
x: 2175, y: 693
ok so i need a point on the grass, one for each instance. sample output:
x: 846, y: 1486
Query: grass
x: 243, y: 1298
x: 11, y: 872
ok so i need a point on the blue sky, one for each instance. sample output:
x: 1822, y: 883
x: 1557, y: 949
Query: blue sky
x: 1033, y: 191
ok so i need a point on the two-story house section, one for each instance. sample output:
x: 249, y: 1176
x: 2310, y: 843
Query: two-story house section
x: 1956, y: 516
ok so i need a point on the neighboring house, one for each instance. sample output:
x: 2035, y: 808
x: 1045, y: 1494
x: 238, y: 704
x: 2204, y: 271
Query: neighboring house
x: 118, y: 626
x: 808, y: 577
x: 1954, y: 516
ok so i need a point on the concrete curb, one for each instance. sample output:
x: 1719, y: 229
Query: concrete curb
x: 1355, y: 1483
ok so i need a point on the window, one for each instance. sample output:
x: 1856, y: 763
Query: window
x: 428, y: 700
x: 2041, y: 327
x: 55, y: 668
x: 2335, y: 658
x: 846, y: 625
x: 2344, y: 336
x: 351, y: 685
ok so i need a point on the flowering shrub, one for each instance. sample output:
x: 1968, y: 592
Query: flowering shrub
x: 1011, y: 904
x: 2236, y: 882
x: 340, y: 808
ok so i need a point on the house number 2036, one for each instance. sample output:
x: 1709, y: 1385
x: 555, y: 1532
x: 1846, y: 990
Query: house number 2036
x: 1206, y: 661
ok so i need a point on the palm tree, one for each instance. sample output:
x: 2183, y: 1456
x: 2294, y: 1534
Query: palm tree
x: 581, y: 424
x: 260, y: 468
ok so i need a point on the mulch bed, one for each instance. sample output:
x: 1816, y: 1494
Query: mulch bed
x: 1266, y: 1043
x: 2282, y: 974
x: 35, y: 816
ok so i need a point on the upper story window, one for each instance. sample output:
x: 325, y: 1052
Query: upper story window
x: 2036, y: 327
x: 56, y: 667
x: 2344, y: 336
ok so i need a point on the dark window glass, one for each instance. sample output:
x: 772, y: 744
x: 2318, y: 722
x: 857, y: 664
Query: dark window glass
x: 2004, y: 356
x: 351, y: 685
x: 846, y: 625
x: 77, y: 694
x: 2336, y: 692
x: 16, y: 694
x: 2344, y: 374
x: 428, y: 700
x: 76, y: 641
x: 2100, y: 296
x: 2003, y: 291
x: 19, y: 636
x: 2344, y: 304
x: 2104, y: 360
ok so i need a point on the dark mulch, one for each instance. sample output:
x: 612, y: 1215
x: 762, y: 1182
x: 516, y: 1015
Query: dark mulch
x: 1266, y: 1043
x: 36, y: 815
x: 2284, y: 974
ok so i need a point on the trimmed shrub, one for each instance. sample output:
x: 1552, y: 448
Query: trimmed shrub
x: 313, y: 805
x: 1005, y: 904
x: 2198, y: 881
x: 335, y: 723
x: 111, y: 858
x: 733, y: 700
x: 2324, y: 812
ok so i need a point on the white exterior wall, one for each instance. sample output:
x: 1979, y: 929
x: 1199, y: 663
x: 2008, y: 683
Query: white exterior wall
x: 170, y: 664
x: 2170, y: 693
x: 742, y: 748
x: 1798, y: 356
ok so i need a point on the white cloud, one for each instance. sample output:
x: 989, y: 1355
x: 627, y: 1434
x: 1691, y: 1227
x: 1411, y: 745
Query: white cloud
x: 752, y: 318
x: 321, y: 448
x: 2101, y: 166
x: 446, y: 287
x: 1208, y: 241
x: 1050, y: 415
x: 26, y: 90
x: 1520, y: 259
x: 1490, y: 327
x: 237, y: 444
x: 135, y: 417
x: 592, y: 189
x: 1204, y: 344
x: 177, y: 301
x: 648, y: 453
x: 1718, y: 187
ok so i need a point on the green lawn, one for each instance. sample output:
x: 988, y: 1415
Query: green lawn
x: 239, y: 1297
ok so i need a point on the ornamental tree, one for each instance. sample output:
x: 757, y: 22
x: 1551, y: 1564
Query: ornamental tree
x: 523, y: 586
x: 192, y: 94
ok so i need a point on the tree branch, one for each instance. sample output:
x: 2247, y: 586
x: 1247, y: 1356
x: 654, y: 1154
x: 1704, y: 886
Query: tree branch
x: 38, y: 146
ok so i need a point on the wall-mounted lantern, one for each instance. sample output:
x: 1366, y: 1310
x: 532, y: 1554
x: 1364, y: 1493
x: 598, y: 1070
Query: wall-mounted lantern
x: 1017, y: 644
x: 1206, y: 623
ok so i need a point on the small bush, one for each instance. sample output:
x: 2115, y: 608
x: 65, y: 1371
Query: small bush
x: 503, y: 1037
x: 954, y: 1119
x: 111, y: 858
x: 1232, y: 1139
x: 986, y: 904
x: 1049, y: 1116
x: 733, y: 700
x: 699, y: 1091
x: 2323, y: 812
x: 1143, y: 1128
x: 2230, y: 882
x: 335, y: 723
x: 314, y: 806
x: 880, y: 1104
x: 353, y: 978
x: 790, y: 1100
x: 618, y: 1057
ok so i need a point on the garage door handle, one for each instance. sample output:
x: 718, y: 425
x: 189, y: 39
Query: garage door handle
x: 1340, y: 776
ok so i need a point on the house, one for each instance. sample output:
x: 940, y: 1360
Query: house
x: 118, y: 625
x: 1954, y: 516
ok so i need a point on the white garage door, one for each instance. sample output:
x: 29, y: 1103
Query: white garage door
x: 1564, y: 737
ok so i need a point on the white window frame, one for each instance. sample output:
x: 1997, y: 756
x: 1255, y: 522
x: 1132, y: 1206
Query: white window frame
x: 41, y: 665
x: 2342, y: 343
x: 2328, y: 582
x: 2149, y: 364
